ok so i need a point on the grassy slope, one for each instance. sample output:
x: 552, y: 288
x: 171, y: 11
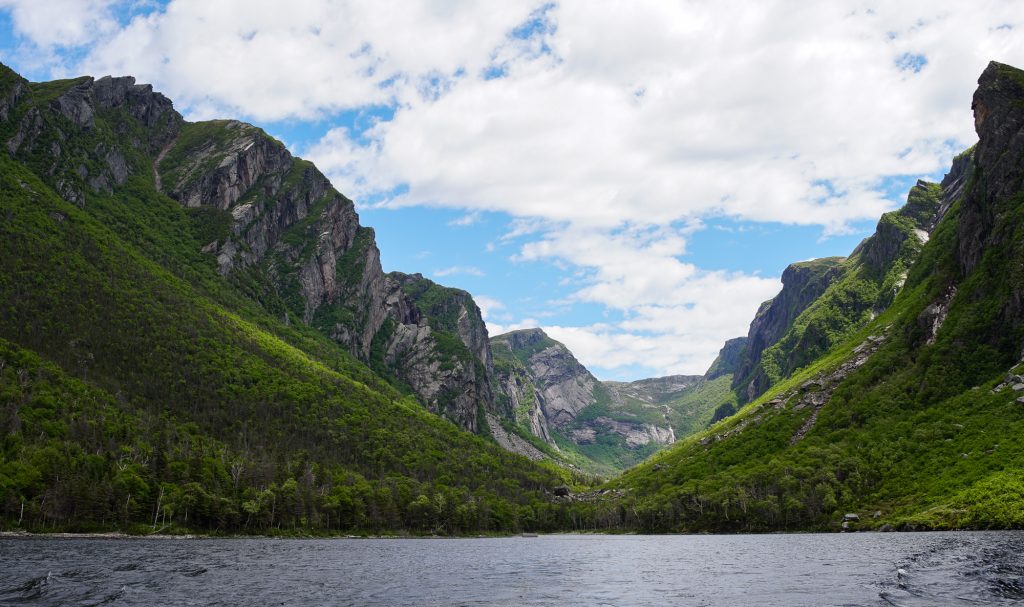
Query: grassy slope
x: 135, y: 381
x: 915, y: 433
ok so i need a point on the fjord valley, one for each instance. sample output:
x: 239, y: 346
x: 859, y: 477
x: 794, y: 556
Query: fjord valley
x: 197, y: 334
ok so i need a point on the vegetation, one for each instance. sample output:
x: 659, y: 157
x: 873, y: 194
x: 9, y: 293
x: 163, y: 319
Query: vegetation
x: 140, y: 390
x: 918, y: 434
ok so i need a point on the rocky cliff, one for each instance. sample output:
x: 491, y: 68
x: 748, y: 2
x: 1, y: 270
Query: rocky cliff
x: 296, y: 244
x: 544, y: 387
x: 46, y: 118
x: 137, y: 380
x: 802, y: 283
x: 908, y: 404
x: 612, y: 424
x: 728, y: 360
x: 990, y: 213
x: 823, y: 307
x: 271, y: 223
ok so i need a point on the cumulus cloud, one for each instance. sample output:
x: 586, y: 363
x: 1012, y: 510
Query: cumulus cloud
x: 488, y: 305
x: 62, y: 22
x: 467, y: 270
x: 606, y: 129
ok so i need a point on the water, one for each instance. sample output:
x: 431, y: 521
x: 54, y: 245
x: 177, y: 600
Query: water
x: 785, y: 570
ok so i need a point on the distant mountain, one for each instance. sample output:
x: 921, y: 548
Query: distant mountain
x: 600, y: 426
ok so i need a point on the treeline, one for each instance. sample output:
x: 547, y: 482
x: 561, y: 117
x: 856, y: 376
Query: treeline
x: 73, y: 458
x: 137, y: 388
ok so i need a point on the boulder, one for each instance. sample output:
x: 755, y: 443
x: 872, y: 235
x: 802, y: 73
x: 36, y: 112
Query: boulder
x: 851, y: 517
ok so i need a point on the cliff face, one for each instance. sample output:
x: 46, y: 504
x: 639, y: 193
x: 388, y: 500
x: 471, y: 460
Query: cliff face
x: 827, y: 301
x: 137, y: 377
x: 990, y: 216
x: 439, y: 347
x: 551, y: 396
x: 44, y: 135
x: 802, y: 283
x: 916, y: 352
x: 274, y: 226
x: 543, y: 385
x: 728, y: 360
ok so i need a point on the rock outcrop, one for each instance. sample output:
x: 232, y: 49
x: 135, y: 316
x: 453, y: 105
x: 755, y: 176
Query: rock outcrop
x: 43, y: 130
x: 654, y: 390
x: 830, y: 299
x: 550, y: 395
x: 543, y: 384
x: 802, y: 283
x: 728, y: 360
x: 272, y: 223
x: 998, y: 159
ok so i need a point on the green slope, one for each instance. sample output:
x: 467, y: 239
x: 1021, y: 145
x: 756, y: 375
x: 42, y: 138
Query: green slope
x: 910, y: 421
x: 136, y: 384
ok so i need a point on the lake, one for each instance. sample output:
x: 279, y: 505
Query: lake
x: 968, y: 568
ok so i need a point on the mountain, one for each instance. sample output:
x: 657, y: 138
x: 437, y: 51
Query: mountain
x: 824, y: 301
x: 895, y: 395
x: 566, y: 413
x: 285, y: 237
x: 196, y: 333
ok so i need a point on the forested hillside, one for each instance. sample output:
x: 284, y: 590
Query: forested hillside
x: 150, y: 381
x: 914, y: 419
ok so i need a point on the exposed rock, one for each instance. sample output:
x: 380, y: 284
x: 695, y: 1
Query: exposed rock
x: 512, y: 442
x: 931, y: 319
x: 802, y: 283
x: 76, y: 104
x: 240, y: 155
x: 654, y: 390
x: 43, y: 129
x: 546, y: 389
x: 13, y: 93
x: 728, y: 360
x: 999, y: 152
x: 543, y: 381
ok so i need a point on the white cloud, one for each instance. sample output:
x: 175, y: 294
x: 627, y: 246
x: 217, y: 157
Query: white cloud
x: 465, y: 220
x: 676, y: 315
x: 268, y: 60
x: 488, y: 305
x: 467, y: 270
x: 611, y: 123
x: 50, y: 23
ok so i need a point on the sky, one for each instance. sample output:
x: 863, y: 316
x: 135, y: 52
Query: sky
x: 631, y: 176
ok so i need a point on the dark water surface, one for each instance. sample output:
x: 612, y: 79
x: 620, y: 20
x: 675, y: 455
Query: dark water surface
x: 984, y: 568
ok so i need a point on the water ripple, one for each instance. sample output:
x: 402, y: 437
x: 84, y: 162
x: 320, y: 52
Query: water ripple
x: 766, y: 570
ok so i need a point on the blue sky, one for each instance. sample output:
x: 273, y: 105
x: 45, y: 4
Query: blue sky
x: 634, y: 179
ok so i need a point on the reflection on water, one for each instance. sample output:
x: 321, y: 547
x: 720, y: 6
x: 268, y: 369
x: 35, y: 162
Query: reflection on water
x: 984, y: 568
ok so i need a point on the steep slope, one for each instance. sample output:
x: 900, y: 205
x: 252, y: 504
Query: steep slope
x: 140, y: 386
x: 858, y: 289
x: 555, y: 399
x: 601, y: 426
x: 279, y: 231
x: 916, y: 419
x: 802, y: 283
